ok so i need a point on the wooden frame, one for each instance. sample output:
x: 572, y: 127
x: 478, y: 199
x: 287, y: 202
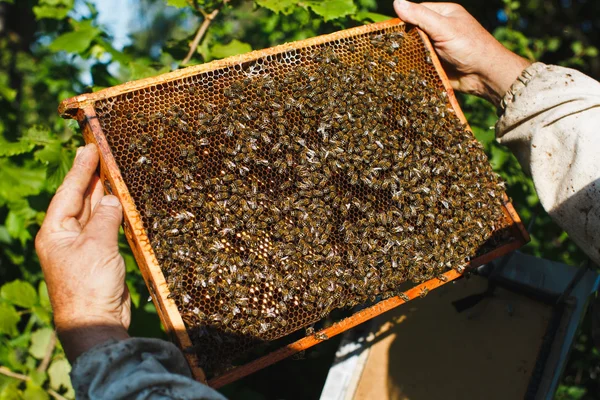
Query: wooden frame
x: 82, y: 108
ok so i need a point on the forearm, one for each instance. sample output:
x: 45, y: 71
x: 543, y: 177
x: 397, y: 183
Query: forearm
x: 551, y: 124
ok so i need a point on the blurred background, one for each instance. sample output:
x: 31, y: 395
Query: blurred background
x: 54, y: 49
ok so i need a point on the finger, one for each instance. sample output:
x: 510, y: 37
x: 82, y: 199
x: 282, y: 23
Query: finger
x: 444, y: 9
x: 92, y: 197
x: 104, y: 223
x: 68, y: 202
x: 98, y: 192
x: 426, y: 18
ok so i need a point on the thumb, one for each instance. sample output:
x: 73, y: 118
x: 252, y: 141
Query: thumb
x: 432, y: 23
x: 105, y: 220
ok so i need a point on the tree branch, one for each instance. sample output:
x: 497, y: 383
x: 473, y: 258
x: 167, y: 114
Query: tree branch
x: 56, y: 395
x: 7, y: 372
x: 48, y: 355
x: 208, y: 18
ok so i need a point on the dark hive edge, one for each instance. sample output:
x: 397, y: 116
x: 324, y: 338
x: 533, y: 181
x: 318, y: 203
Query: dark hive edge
x: 300, y: 179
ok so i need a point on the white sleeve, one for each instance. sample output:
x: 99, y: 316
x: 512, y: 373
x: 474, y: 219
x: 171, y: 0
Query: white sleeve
x: 552, y: 124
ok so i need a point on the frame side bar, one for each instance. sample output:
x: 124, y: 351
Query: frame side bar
x: 137, y: 238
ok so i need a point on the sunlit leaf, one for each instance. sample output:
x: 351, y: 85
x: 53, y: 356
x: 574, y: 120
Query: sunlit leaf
x: 35, y: 392
x: 58, y: 161
x: 59, y: 376
x: 77, y: 41
x: 38, y: 377
x: 17, y: 182
x: 14, y: 148
x: 11, y: 392
x: 9, y: 318
x: 8, y: 93
x: 331, y: 9
x: 54, y: 9
x: 178, y: 3
x: 232, y: 48
x: 43, y: 295
x: 370, y: 16
x: 19, y: 293
x: 278, y: 6
x: 40, y: 340
x: 19, y: 218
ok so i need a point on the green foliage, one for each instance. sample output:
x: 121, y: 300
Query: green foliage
x: 78, y: 40
x: 28, y: 345
x: 47, y: 57
x: 232, y: 48
x: 19, y: 293
x: 53, y: 9
x: 328, y: 10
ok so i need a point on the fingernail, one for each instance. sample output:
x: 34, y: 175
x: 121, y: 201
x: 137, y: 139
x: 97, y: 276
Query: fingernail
x: 79, y: 150
x: 110, y: 201
x: 401, y: 4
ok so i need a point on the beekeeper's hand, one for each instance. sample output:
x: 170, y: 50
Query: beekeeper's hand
x: 78, y: 250
x: 474, y: 60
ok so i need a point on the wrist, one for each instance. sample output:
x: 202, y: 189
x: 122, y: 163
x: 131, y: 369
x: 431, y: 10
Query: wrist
x: 501, y: 74
x: 77, y: 339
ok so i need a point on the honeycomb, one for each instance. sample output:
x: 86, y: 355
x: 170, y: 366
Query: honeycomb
x: 276, y: 190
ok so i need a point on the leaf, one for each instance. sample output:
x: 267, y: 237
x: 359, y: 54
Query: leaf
x: 591, y: 51
x: 42, y: 314
x: 59, y: 376
x: 18, y: 220
x: 9, y: 318
x: 40, y: 340
x: 8, y: 93
x: 19, y: 293
x: 35, y: 392
x: 177, y: 3
x: 133, y: 294
x: 17, y: 182
x: 4, y: 235
x: 38, y: 377
x: 34, y: 135
x: 8, y: 149
x: 15, y: 258
x: 77, y: 41
x: 43, y: 295
x: 232, y: 48
x: 11, y: 392
x: 370, y: 16
x: 58, y: 161
x: 278, y: 6
x: 53, y: 9
x: 331, y: 9
x: 553, y: 44
x: 140, y: 70
x: 577, y: 47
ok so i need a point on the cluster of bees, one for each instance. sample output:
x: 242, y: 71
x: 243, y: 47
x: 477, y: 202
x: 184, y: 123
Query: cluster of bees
x: 298, y: 190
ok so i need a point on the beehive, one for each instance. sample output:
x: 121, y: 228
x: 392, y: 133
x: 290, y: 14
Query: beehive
x: 263, y: 191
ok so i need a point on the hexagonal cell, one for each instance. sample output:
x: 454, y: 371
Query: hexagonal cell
x: 277, y: 190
